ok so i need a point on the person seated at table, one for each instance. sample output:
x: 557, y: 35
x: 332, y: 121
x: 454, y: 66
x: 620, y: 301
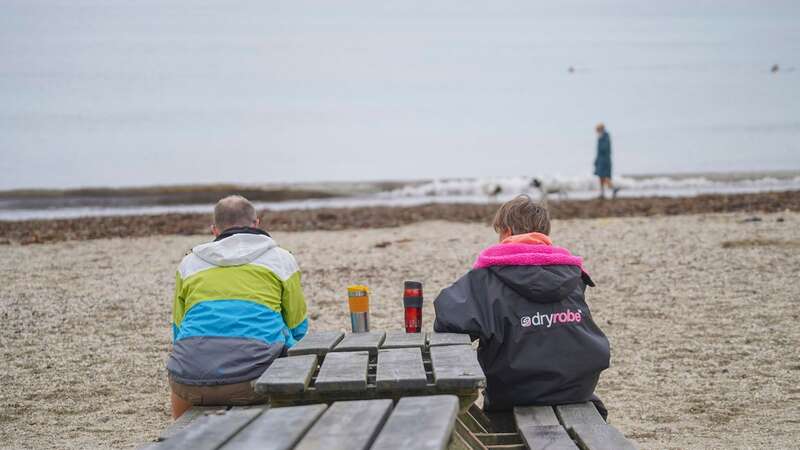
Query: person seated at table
x: 238, y: 305
x: 524, y: 301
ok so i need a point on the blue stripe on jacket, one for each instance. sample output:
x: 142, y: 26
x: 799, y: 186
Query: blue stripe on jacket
x: 237, y: 318
x: 299, y: 332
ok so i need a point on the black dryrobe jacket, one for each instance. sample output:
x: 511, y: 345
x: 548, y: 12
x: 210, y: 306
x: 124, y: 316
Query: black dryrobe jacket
x: 538, y: 342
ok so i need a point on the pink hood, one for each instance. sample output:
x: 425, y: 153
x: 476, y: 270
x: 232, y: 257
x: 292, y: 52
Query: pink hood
x: 530, y: 255
x: 526, y: 255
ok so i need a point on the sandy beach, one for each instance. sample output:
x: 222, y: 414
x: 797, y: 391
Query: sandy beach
x: 701, y: 312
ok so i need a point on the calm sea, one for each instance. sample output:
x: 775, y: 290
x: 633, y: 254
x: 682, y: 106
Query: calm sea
x: 117, y: 93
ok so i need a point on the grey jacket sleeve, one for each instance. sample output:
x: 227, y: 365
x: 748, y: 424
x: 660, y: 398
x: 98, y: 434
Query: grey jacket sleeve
x: 464, y: 308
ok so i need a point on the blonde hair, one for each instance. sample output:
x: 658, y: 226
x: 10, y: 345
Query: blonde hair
x: 522, y: 215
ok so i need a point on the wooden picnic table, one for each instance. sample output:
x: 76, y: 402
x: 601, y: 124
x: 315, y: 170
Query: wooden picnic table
x: 331, y: 366
x: 385, y: 391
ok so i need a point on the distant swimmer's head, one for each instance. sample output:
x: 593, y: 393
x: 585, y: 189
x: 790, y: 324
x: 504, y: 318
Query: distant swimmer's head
x: 232, y: 212
x: 521, y: 215
x: 600, y: 128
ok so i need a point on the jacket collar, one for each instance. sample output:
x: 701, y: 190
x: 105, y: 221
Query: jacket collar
x: 228, y: 232
x: 528, y: 238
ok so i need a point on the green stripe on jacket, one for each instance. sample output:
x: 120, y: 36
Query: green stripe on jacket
x: 250, y: 282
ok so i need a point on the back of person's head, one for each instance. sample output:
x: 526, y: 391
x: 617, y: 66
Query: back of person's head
x: 234, y: 211
x: 521, y: 215
x: 600, y: 127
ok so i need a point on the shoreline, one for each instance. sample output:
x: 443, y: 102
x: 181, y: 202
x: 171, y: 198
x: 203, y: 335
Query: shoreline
x: 39, y: 231
x: 56, y: 203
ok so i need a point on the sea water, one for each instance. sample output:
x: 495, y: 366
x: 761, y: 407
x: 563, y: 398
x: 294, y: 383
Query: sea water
x: 121, y: 93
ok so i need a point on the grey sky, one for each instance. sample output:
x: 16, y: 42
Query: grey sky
x: 153, y: 92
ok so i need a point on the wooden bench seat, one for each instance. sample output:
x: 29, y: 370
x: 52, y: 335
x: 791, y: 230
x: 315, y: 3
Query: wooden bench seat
x: 568, y: 427
x: 276, y: 429
x: 347, y: 425
x: 424, y: 423
x: 540, y: 428
x: 209, y: 431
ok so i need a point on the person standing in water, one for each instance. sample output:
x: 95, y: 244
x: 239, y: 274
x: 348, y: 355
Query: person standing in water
x: 602, y: 163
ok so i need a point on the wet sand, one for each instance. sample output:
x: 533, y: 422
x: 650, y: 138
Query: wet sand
x: 701, y: 312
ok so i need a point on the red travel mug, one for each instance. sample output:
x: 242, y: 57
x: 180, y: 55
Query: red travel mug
x: 412, y: 301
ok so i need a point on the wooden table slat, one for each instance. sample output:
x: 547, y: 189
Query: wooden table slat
x: 552, y: 437
x: 540, y: 428
x: 421, y: 423
x: 538, y: 416
x: 579, y: 414
x: 209, y: 431
x: 589, y: 429
x: 316, y: 343
x: 347, y: 425
x: 438, y: 339
x: 601, y: 437
x: 456, y: 367
x: 361, y: 341
x: 345, y: 371
x: 400, y: 369
x: 192, y: 414
x: 277, y: 428
x: 287, y: 375
x: 401, y: 339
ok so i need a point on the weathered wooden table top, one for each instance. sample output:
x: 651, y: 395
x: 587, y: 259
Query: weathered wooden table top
x: 331, y: 366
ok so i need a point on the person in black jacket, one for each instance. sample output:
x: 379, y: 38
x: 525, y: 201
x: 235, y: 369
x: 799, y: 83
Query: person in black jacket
x: 524, y: 301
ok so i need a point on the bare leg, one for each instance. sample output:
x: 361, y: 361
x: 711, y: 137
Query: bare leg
x: 179, y: 405
x: 602, y: 188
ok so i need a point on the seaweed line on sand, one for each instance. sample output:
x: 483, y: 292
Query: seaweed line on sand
x: 85, y: 228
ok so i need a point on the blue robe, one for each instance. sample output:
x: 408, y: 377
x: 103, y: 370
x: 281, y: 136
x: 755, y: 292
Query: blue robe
x: 602, y: 163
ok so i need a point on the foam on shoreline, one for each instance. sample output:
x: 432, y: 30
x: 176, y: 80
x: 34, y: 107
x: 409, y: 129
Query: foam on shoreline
x: 157, y: 200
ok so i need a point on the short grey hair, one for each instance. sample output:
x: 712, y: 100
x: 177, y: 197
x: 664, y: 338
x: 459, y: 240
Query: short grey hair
x: 522, y: 215
x: 234, y: 211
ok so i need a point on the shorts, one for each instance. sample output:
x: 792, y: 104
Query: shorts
x: 236, y: 394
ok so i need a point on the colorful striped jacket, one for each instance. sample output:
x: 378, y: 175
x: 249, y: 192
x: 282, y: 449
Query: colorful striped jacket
x: 238, y: 305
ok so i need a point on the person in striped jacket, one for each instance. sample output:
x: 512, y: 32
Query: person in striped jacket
x: 238, y: 305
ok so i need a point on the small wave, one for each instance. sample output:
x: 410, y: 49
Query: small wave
x: 583, y: 186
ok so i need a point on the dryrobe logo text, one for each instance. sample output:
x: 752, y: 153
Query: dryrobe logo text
x: 548, y: 320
